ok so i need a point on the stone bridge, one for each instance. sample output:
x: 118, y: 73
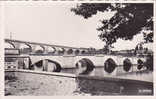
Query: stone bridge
x: 54, y: 58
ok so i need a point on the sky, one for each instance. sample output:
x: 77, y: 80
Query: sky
x: 54, y: 23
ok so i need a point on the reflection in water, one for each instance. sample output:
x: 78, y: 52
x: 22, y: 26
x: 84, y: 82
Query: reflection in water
x: 95, y: 86
x: 99, y: 83
x: 144, y: 75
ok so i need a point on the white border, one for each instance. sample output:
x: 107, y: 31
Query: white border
x: 40, y: 2
x: 1, y: 51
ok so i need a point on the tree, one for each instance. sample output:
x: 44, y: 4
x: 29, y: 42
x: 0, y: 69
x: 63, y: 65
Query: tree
x: 129, y: 19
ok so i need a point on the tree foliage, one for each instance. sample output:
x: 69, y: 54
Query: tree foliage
x: 129, y: 19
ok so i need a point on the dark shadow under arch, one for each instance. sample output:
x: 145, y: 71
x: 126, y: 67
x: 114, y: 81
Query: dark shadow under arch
x: 127, y: 64
x: 77, y: 52
x: 140, y: 64
x: 58, y: 66
x: 83, y: 52
x: 109, y: 65
x: 70, y: 51
x: 86, y: 63
x: 40, y: 64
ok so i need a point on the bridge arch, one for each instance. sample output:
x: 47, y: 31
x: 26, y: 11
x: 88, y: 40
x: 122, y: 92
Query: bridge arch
x: 140, y: 64
x: 61, y: 51
x: 38, y: 66
x: 46, y: 65
x: 83, y: 52
x: 70, y: 51
x: 84, y: 66
x: 77, y: 51
x: 39, y: 49
x: 53, y: 66
x: 9, y: 45
x: 51, y: 49
x: 127, y: 64
x: 110, y: 65
x: 25, y: 48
